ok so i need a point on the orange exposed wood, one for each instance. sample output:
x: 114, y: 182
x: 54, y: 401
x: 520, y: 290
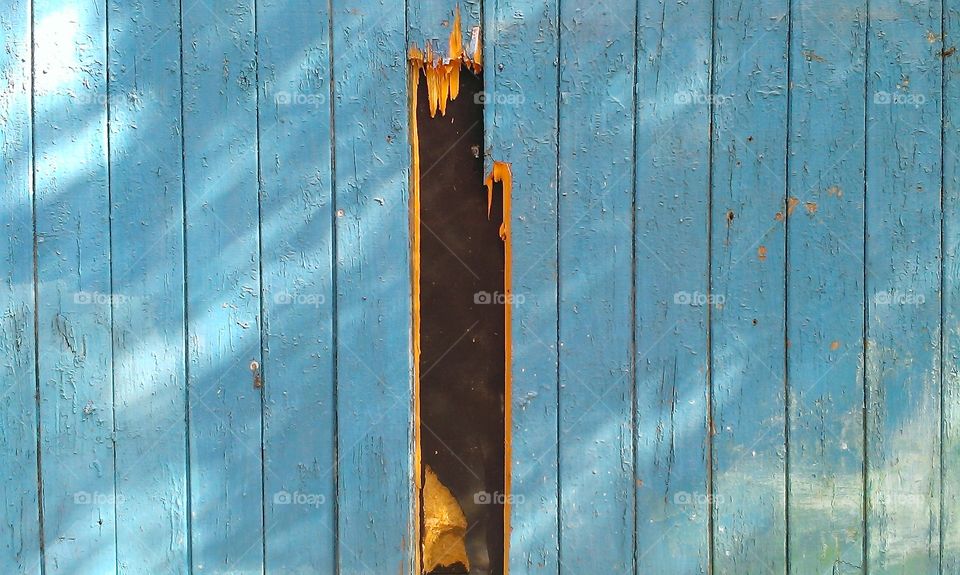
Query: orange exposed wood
x: 502, y: 173
x: 445, y: 526
x: 456, y: 37
x: 443, y: 73
x: 415, y: 280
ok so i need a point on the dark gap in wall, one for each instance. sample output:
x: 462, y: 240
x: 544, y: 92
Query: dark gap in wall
x: 462, y: 374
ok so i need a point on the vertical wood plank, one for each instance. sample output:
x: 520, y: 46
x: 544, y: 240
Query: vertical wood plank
x: 74, y: 305
x: 747, y: 271
x: 376, y: 519
x: 521, y: 126
x: 825, y: 286
x: 597, y: 496
x: 673, y: 124
x: 903, y: 286
x: 223, y: 285
x: 950, y: 451
x: 295, y: 175
x: 20, y: 528
x: 431, y: 22
x: 146, y: 182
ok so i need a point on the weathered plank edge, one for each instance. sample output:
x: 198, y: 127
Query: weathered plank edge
x: 522, y: 76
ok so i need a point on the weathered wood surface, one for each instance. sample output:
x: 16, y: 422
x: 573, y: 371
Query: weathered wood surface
x: 376, y: 519
x: 950, y: 330
x: 903, y: 287
x: 521, y: 49
x: 672, y: 303
x: 825, y: 275
x: 72, y: 233
x: 223, y: 271
x: 431, y: 22
x: 296, y: 226
x: 748, y: 260
x: 147, y: 217
x: 20, y: 532
x: 735, y: 232
x: 596, y: 291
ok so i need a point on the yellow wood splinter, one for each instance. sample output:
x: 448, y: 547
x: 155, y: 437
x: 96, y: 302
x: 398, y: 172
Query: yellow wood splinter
x: 444, y: 526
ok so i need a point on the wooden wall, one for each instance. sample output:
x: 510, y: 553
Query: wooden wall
x: 736, y: 260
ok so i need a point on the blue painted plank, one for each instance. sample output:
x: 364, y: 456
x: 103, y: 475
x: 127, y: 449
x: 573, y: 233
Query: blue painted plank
x: 296, y: 222
x: 825, y: 286
x: 521, y: 127
x: 74, y: 303
x: 903, y: 214
x: 597, y: 495
x: 950, y: 451
x: 223, y: 286
x: 20, y: 525
x: 430, y: 22
x: 747, y: 271
x: 376, y: 518
x: 673, y: 117
x: 146, y: 182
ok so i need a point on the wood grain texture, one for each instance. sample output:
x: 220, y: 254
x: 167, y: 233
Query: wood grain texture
x: 903, y: 256
x: 597, y: 496
x: 520, y: 82
x: 223, y: 286
x: 146, y: 182
x: 296, y: 222
x: 747, y: 271
x: 74, y: 305
x: 376, y: 523
x: 672, y: 302
x: 825, y: 274
x: 950, y: 450
x: 19, y: 498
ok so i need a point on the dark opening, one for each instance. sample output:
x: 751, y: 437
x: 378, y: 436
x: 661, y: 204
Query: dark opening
x: 462, y: 311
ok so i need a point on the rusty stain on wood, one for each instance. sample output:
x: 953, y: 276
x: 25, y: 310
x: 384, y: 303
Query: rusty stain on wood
x: 792, y: 204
